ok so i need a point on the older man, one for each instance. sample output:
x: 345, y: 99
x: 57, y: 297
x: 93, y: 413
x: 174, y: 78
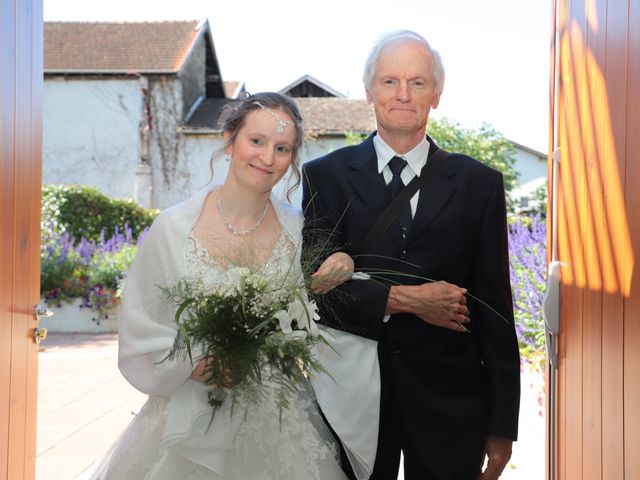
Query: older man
x: 438, y: 301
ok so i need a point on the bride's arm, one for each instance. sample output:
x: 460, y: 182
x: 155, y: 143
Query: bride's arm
x: 146, y: 325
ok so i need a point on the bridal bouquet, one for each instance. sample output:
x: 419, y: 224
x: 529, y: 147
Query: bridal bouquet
x: 255, y: 332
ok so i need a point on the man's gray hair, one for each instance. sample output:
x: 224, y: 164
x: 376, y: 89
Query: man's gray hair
x: 400, y: 36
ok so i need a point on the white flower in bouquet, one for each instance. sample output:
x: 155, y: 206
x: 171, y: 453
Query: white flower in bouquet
x: 255, y: 329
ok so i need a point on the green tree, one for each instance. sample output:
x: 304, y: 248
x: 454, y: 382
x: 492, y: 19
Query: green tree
x: 484, y: 144
x: 354, y: 138
x: 540, y: 196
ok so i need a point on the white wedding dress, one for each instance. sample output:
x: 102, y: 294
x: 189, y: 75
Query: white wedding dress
x: 261, y: 448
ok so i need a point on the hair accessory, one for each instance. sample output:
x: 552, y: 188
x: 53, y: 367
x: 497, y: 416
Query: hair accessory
x: 232, y: 228
x: 281, y: 123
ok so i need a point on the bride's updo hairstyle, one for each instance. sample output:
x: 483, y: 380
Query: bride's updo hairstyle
x: 234, y: 114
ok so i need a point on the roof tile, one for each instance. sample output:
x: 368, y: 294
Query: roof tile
x: 117, y: 47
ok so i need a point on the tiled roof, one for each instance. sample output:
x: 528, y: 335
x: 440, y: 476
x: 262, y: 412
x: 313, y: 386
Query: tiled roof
x: 105, y: 47
x: 322, y: 116
x: 328, y: 115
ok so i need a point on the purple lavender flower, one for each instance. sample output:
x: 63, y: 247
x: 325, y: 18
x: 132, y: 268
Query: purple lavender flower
x: 528, y: 261
x: 95, y: 271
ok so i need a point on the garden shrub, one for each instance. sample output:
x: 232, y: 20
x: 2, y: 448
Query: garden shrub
x: 83, y: 211
x: 88, y: 243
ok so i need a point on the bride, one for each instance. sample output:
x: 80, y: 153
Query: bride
x: 197, y: 240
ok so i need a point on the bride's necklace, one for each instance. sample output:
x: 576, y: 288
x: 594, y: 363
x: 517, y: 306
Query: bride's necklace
x: 239, y: 231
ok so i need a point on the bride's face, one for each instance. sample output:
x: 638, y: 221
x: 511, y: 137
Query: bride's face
x: 262, y: 150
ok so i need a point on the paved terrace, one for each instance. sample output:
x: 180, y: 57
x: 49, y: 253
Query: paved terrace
x: 84, y: 403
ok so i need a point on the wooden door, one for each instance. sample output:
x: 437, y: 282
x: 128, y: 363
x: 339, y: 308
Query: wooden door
x: 21, y: 86
x: 597, y: 131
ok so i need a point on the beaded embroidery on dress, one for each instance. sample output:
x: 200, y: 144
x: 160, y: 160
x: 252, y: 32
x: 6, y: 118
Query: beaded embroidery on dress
x: 299, y: 446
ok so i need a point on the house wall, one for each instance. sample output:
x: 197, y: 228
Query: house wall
x: 195, y: 154
x: 529, y: 166
x: 532, y: 170
x: 91, y: 133
x: 312, y: 149
x: 168, y: 174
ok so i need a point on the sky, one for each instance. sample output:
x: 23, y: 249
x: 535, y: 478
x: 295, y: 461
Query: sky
x: 495, y: 52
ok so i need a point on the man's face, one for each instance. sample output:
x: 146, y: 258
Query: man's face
x: 402, y: 91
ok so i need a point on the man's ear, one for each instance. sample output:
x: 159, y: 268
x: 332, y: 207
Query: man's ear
x: 369, y: 96
x: 435, y: 101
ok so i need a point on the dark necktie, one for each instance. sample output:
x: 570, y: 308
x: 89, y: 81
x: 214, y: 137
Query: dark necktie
x: 397, y: 164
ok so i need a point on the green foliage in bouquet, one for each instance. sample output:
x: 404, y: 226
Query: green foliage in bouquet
x: 255, y: 332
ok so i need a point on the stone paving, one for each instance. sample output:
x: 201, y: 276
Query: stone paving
x: 84, y: 403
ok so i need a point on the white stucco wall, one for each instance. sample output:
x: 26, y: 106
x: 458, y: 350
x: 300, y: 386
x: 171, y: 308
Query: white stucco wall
x: 194, y: 160
x: 532, y: 171
x: 312, y: 149
x: 90, y: 133
x: 171, y: 178
x: 529, y: 165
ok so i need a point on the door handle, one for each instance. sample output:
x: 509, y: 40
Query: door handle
x: 40, y: 312
x: 551, y: 312
x: 39, y: 334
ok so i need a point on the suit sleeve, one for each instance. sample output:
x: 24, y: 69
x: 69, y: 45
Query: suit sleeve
x: 356, y: 306
x: 496, y: 329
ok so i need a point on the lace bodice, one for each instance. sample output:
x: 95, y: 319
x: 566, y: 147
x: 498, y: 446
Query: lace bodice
x: 203, y: 269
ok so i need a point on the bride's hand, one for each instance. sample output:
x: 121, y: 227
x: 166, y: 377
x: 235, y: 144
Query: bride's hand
x: 335, y: 270
x: 201, y: 374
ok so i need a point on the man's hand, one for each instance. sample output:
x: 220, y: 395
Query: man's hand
x: 439, y: 303
x: 498, y: 453
x: 335, y: 270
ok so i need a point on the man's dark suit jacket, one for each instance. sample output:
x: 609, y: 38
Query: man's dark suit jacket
x: 454, y: 388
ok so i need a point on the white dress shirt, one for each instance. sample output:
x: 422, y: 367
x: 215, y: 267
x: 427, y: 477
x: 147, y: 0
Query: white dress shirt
x: 416, y: 159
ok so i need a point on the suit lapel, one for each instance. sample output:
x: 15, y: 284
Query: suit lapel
x: 369, y: 184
